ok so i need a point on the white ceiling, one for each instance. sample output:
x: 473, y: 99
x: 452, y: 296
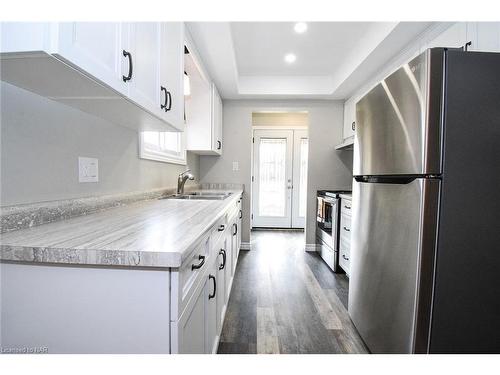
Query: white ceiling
x: 246, y: 59
x: 261, y: 46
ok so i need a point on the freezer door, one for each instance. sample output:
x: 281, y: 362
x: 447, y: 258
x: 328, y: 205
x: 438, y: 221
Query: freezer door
x: 398, y: 123
x: 392, y: 256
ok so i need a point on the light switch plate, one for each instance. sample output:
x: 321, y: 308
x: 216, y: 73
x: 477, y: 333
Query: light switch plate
x: 88, y: 169
x: 236, y: 166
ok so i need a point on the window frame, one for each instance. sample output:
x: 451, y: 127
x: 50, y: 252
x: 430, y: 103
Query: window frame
x: 163, y: 156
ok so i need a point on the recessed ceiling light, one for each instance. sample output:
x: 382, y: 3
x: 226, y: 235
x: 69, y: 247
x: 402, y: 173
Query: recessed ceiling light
x: 300, y: 27
x: 290, y: 58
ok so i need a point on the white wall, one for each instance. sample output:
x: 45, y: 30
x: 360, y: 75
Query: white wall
x: 40, y: 144
x: 327, y: 167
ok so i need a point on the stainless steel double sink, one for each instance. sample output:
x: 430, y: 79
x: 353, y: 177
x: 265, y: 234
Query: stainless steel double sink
x: 200, y: 195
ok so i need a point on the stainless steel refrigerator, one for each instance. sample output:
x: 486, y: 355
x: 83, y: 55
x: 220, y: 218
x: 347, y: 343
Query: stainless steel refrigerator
x: 425, y: 257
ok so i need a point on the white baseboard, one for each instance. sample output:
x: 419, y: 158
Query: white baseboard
x: 310, y: 247
x: 245, y: 246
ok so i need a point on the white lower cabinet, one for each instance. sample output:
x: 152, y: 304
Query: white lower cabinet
x: 211, y: 318
x: 189, y: 330
x: 345, y: 235
x: 201, y: 287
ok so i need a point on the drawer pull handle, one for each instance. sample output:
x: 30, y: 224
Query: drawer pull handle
x: 343, y: 256
x: 199, y: 265
x: 235, y: 227
x: 221, y: 228
x: 223, y: 253
x: 210, y: 296
x: 347, y: 207
x: 347, y: 229
x: 241, y: 214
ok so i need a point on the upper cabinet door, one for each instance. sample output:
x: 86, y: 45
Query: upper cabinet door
x: 216, y: 120
x: 349, y: 118
x: 97, y: 48
x: 144, y: 47
x: 172, y: 73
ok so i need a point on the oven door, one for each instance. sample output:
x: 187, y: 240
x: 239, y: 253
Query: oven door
x: 327, y: 221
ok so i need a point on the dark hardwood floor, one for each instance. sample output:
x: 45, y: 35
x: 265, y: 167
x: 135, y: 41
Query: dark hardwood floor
x: 285, y: 300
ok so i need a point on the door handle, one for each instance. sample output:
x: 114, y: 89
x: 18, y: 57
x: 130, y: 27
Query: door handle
x: 219, y: 145
x: 347, y: 229
x: 235, y: 226
x: 164, y: 105
x: 169, y: 107
x: 353, y: 125
x: 221, y: 228
x: 130, y: 66
x: 210, y: 296
x: 241, y: 214
x: 343, y: 256
x: 199, y: 265
x: 223, y: 253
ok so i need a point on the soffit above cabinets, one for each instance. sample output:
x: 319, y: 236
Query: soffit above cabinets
x: 246, y: 59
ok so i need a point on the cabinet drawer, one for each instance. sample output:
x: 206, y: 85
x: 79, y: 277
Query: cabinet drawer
x: 346, y: 206
x: 189, y: 276
x: 345, y: 231
x: 218, y: 230
x: 344, y: 261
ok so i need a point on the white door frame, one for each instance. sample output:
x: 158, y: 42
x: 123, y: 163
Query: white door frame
x: 291, y: 218
x: 297, y: 220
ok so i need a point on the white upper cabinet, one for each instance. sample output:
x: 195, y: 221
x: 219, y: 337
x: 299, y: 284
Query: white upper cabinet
x: 85, y: 64
x: 453, y: 37
x: 216, y: 121
x: 172, y: 73
x: 203, y: 107
x: 96, y: 48
x: 485, y: 36
x: 349, y: 119
x: 144, y: 49
x: 349, y: 125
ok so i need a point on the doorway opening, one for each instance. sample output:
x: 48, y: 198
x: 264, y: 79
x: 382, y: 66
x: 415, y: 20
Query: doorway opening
x: 279, y: 169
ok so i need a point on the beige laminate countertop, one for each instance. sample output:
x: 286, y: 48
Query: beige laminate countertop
x: 151, y: 233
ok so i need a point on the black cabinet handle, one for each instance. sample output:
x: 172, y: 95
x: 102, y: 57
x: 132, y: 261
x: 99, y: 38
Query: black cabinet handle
x: 169, y: 107
x: 353, y: 125
x: 241, y: 214
x: 347, y: 207
x: 219, y: 145
x: 343, y: 256
x: 347, y: 229
x: 164, y: 105
x: 130, y: 66
x: 221, y: 227
x: 199, y: 265
x: 210, y: 296
x: 235, y: 226
x: 223, y: 253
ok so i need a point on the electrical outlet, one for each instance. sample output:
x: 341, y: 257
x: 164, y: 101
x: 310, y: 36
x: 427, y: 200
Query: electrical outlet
x: 236, y: 166
x: 88, y: 169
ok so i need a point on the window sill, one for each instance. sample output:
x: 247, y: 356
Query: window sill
x: 148, y: 155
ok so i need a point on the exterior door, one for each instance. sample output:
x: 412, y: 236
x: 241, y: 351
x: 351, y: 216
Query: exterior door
x: 280, y: 178
x: 272, y: 204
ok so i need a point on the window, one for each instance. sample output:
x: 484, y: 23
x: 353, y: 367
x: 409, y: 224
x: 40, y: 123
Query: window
x: 168, y: 147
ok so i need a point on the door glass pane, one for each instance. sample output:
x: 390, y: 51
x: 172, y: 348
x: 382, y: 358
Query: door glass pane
x: 304, y: 146
x: 272, y: 171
